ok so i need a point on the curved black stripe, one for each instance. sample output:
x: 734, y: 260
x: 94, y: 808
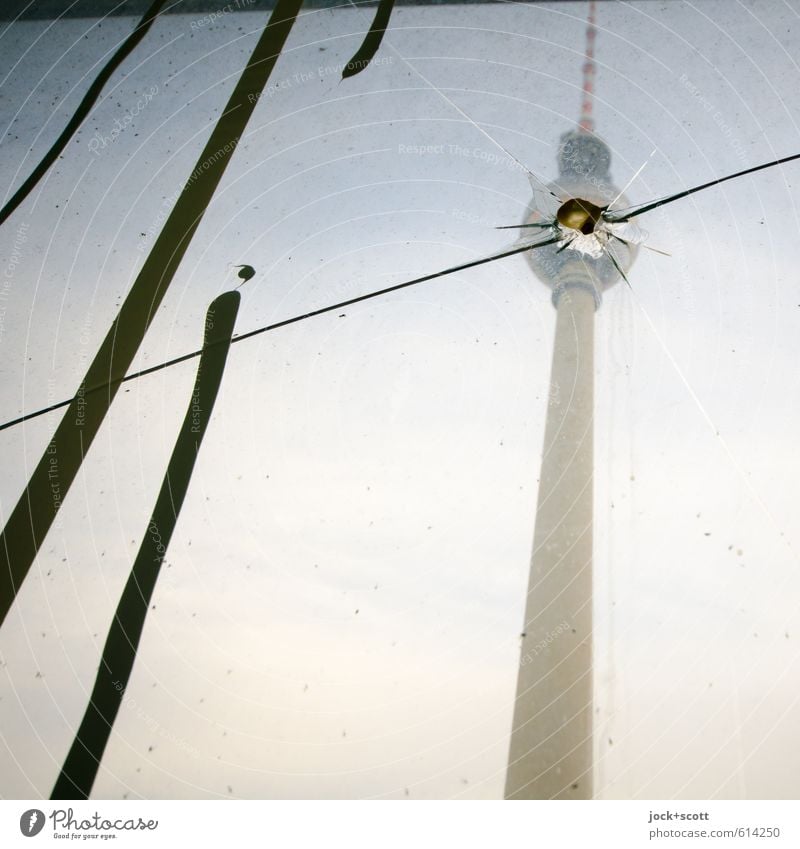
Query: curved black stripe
x: 623, y: 215
x: 372, y: 40
x: 119, y: 653
x: 82, y: 393
x: 89, y: 99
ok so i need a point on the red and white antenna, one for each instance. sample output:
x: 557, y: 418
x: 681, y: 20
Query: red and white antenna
x: 586, y: 123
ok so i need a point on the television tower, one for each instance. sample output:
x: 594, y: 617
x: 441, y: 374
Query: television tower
x: 551, y: 748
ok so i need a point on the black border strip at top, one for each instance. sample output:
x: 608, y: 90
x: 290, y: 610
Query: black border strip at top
x: 30, y: 10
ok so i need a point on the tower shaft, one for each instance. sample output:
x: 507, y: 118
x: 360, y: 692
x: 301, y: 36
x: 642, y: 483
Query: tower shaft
x: 551, y: 739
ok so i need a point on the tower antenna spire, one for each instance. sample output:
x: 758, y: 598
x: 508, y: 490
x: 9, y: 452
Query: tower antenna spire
x: 586, y: 123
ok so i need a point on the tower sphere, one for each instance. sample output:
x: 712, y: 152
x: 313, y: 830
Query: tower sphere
x: 583, y: 188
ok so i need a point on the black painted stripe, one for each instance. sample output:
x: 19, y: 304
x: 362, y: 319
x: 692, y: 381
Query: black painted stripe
x: 85, y: 106
x: 35, y: 511
x: 372, y: 40
x: 119, y: 653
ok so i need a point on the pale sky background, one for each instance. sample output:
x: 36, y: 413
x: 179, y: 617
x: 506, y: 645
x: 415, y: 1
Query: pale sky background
x: 345, y: 589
